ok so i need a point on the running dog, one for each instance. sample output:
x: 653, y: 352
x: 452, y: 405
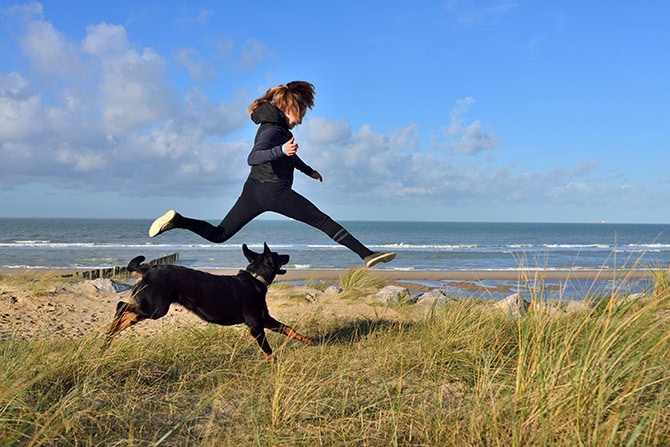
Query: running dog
x: 224, y: 300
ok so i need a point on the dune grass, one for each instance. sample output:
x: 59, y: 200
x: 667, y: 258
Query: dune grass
x: 357, y: 281
x: 465, y: 375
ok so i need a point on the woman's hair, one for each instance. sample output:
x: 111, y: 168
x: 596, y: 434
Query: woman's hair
x: 296, y: 97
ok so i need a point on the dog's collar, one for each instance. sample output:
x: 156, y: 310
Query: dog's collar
x: 259, y: 278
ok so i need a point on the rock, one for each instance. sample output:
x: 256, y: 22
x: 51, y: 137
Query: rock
x: 395, y: 295
x: 435, y: 297
x: 514, y: 305
x: 108, y: 285
x: 332, y: 289
x: 575, y: 306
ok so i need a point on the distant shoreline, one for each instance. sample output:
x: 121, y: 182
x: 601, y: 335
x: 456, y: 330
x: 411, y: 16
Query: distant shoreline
x: 463, y: 275
x: 413, y: 275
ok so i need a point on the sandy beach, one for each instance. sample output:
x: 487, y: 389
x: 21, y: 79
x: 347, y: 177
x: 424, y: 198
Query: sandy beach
x: 62, y: 302
x: 463, y: 275
x: 36, y: 302
x: 408, y: 275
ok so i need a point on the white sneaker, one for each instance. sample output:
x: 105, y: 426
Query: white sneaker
x: 164, y: 223
x: 377, y: 257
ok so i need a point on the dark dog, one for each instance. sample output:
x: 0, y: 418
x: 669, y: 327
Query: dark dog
x: 224, y: 300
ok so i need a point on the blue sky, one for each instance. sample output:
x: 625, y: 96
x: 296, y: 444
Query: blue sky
x: 425, y: 110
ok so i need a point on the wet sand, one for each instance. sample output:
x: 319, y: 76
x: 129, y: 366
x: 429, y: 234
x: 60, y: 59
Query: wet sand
x: 421, y: 275
x: 460, y: 275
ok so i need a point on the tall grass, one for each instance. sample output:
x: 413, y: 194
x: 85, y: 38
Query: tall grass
x: 357, y: 281
x: 465, y: 375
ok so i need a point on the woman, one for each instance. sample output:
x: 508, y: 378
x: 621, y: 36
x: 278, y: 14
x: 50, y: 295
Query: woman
x: 269, y: 185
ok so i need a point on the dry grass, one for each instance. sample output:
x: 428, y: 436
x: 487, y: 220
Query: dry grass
x: 465, y: 375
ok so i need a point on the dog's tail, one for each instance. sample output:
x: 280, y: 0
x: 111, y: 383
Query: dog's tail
x: 135, y: 265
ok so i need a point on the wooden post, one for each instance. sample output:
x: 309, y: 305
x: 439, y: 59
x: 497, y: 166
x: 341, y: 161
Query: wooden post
x: 123, y: 271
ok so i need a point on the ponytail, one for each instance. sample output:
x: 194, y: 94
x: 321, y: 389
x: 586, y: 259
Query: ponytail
x: 296, y: 96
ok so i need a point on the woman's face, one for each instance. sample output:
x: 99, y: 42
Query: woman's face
x: 294, y: 119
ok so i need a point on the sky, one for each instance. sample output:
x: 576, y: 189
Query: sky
x: 452, y: 110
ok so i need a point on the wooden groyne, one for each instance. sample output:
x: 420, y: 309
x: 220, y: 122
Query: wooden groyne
x: 115, y: 272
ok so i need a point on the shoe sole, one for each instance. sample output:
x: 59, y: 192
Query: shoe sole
x: 385, y: 257
x: 157, y: 227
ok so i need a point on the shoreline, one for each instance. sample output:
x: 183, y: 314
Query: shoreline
x: 464, y: 275
x: 410, y: 275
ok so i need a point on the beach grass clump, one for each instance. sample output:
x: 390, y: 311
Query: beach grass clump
x: 318, y: 285
x: 467, y: 374
x: 359, y: 279
x: 35, y: 282
x: 661, y: 281
x: 287, y: 292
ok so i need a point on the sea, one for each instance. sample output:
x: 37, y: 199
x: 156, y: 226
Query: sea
x: 69, y: 243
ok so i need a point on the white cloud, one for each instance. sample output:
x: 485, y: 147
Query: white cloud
x: 50, y: 52
x: 405, y: 140
x: 198, y: 17
x: 319, y: 130
x: 26, y: 11
x: 223, y: 47
x: 135, y: 91
x: 365, y: 162
x: 456, y: 116
x: 390, y: 170
x: 252, y: 53
x: 214, y: 118
x: 81, y: 160
x: 197, y: 67
x: 103, y: 39
x: 121, y: 126
x: 466, y: 139
x: 19, y: 107
x: 216, y: 162
x: 475, y: 140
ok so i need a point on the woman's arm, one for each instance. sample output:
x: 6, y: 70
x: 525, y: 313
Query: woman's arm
x: 302, y: 166
x: 267, y: 147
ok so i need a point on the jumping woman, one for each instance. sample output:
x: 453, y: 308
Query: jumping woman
x: 269, y: 185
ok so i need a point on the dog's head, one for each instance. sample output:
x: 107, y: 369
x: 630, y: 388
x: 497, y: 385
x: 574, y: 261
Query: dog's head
x: 267, y: 264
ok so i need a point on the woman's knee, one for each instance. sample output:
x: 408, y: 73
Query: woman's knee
x: 329, y: 226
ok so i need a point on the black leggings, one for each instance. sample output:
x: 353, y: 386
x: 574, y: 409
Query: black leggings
x: 259, y: 197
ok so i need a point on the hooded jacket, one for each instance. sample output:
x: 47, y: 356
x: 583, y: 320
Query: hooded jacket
x: 267, y: 160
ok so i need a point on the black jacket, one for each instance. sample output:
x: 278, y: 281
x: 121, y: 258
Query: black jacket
x: 268, y: 162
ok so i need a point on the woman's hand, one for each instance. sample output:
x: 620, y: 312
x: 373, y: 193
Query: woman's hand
x: 317, y: 176
x: 290, y: 147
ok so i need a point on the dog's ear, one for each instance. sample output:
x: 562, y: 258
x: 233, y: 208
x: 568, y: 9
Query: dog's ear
x: 249, y: 254
x: 135, y: 262
x: 266, y: 249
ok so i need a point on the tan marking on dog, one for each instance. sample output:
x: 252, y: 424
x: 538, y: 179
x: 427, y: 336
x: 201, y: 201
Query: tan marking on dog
x: 123, y: 321
x: 290, y: 333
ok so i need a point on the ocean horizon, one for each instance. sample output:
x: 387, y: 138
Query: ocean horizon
x: 92, y: 244
x: 79, y: 243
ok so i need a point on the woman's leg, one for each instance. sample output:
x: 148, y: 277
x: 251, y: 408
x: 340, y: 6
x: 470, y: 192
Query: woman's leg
x: 293, y: 205
x: 245, y: 209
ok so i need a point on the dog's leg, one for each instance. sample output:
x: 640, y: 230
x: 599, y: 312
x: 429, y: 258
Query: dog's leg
x: 126, y: 316
x: 258, y: 334
x: 277, y: 326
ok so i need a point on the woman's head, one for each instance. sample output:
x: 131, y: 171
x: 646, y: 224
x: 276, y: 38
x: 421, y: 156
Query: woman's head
x: 293, y: 99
